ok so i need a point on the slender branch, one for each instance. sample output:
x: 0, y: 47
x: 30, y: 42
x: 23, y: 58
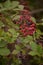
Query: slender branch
x: 36, y: 11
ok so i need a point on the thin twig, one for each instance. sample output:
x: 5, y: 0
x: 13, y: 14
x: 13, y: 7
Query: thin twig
x: 36, y: 11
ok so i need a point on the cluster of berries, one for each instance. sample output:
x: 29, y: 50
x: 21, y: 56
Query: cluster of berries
x: 27, y: 27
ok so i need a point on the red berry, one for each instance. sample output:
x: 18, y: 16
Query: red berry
x: 27, y: 26
x: 33, y: 25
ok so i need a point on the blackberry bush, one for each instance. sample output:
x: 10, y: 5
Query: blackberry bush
x: 21, y: 40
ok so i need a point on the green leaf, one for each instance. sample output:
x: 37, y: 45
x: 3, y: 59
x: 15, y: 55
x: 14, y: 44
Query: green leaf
x: 1, y: 5
x: 21, y: 7
x: 9, y: 22
x: 18, y: 47
x: 15, y: 3
x: 33, y: 46
x: 8, y: 39
x: 28, y: 39
x: 33, y: 19
x: 9, y: 36
x: 1, y: 32
x: 38, y: 33
x: 1, y: 24
x: 16, y: 17
x: 4, y: 51
x: 23, y: 52
x: 32, y: 53
x: 7, y: 4
x: 40, y: 50
x: 15, y: 52
x: 13, y: 32
x: 3, y: 43
x: 37, y: 49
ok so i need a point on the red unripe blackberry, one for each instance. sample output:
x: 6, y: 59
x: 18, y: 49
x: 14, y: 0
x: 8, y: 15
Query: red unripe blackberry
x: 26, y: 25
